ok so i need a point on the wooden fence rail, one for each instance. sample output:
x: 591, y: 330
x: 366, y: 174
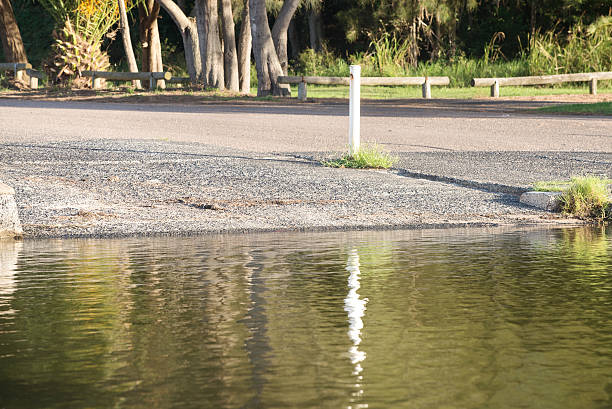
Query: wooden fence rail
x: 152, y: 77
x: 23, y: 68
x: 425, y: 82
x: 590, y: 77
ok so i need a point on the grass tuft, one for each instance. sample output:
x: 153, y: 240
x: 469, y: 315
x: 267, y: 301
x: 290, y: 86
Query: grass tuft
x: 368, y: 157
x: 586, y: 197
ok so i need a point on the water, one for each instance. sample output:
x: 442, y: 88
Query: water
x: 434, y: 319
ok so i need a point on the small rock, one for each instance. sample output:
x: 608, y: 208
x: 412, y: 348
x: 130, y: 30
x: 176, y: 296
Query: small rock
x: 10, y: 226
x: 550, y: 201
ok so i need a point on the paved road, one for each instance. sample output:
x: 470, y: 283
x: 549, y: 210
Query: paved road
x: 102, y: 169
x: 412, y: 126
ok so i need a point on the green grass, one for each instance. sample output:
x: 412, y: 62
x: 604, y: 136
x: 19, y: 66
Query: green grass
x: 599, y: 108
x: 586, y: 197
x: 551, y: 186
x: 368, y: 157
x: 380, y: 92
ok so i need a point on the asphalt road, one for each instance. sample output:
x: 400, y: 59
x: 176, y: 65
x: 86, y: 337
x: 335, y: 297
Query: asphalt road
x: 413, y: 126
x: 92, y: 169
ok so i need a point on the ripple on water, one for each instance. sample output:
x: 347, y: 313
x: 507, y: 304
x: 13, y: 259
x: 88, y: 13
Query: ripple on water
x: 453, y: 319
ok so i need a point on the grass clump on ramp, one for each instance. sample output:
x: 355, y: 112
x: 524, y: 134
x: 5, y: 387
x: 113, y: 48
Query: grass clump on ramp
x: 587, y: 197
x: 367, y: 157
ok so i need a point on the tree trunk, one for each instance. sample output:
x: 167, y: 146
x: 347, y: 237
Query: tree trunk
x: 12, y: 44
x: 244, y: 50
x: 266, y: 60
x: 230, y: 59
x: 315, y: 30
x: 127, y: 41
x: 151, y: 61
x: 189, y: 32
x: 279, y: 31
x: 211, y: 53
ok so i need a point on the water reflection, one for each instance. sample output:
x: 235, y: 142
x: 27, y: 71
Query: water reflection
x: 9, y: 252
x: 454, y: 319
x: 355, y: 307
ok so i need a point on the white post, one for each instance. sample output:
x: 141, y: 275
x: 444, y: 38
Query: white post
x: 354, y: 109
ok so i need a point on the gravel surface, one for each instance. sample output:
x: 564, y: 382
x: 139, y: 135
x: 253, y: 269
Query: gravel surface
x: 100, y: 170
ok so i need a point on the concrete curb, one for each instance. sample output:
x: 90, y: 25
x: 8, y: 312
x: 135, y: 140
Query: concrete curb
x: 10, y: 226
x: 550, y: 201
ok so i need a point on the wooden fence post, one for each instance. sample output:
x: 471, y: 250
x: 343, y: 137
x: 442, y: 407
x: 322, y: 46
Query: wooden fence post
x: 96, y: 83
x: 427, y: 88
x: 593, y: 86
x: 495, y: 89
x: 302, y: 92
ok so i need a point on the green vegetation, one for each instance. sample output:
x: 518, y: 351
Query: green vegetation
x: 586, y: 197
x: 585, y: 49
x: 551, y: 186
x: 380, y: 92
x: 368, y: 157
x: 458, y: 39
x: 600, y: 108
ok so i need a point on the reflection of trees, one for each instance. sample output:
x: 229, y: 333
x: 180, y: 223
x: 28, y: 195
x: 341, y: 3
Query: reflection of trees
x: 491, y: 320
x: 232, y: 321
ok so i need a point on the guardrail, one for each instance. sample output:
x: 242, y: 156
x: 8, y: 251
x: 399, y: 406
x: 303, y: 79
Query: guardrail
x: 425, y: 82
x: 152, y: 77
x: 590, y: 77
x: 20, y: 68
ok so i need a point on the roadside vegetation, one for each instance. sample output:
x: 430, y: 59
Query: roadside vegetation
x: 461, y: 40
x: 367, y: 157
x: 600, y: 108
x: 585, y: 197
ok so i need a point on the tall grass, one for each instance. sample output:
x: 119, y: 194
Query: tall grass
x: 585, y: 49
x: 586, y: 197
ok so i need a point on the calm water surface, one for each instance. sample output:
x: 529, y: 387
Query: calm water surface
x: 447, y: 319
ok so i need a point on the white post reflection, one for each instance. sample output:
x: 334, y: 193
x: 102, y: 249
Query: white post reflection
x: 355, y: 307
x: 9, y: 253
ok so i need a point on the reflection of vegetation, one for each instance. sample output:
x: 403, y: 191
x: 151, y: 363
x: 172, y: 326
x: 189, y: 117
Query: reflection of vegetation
x: 587, y: 249
x: 259, y: 322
